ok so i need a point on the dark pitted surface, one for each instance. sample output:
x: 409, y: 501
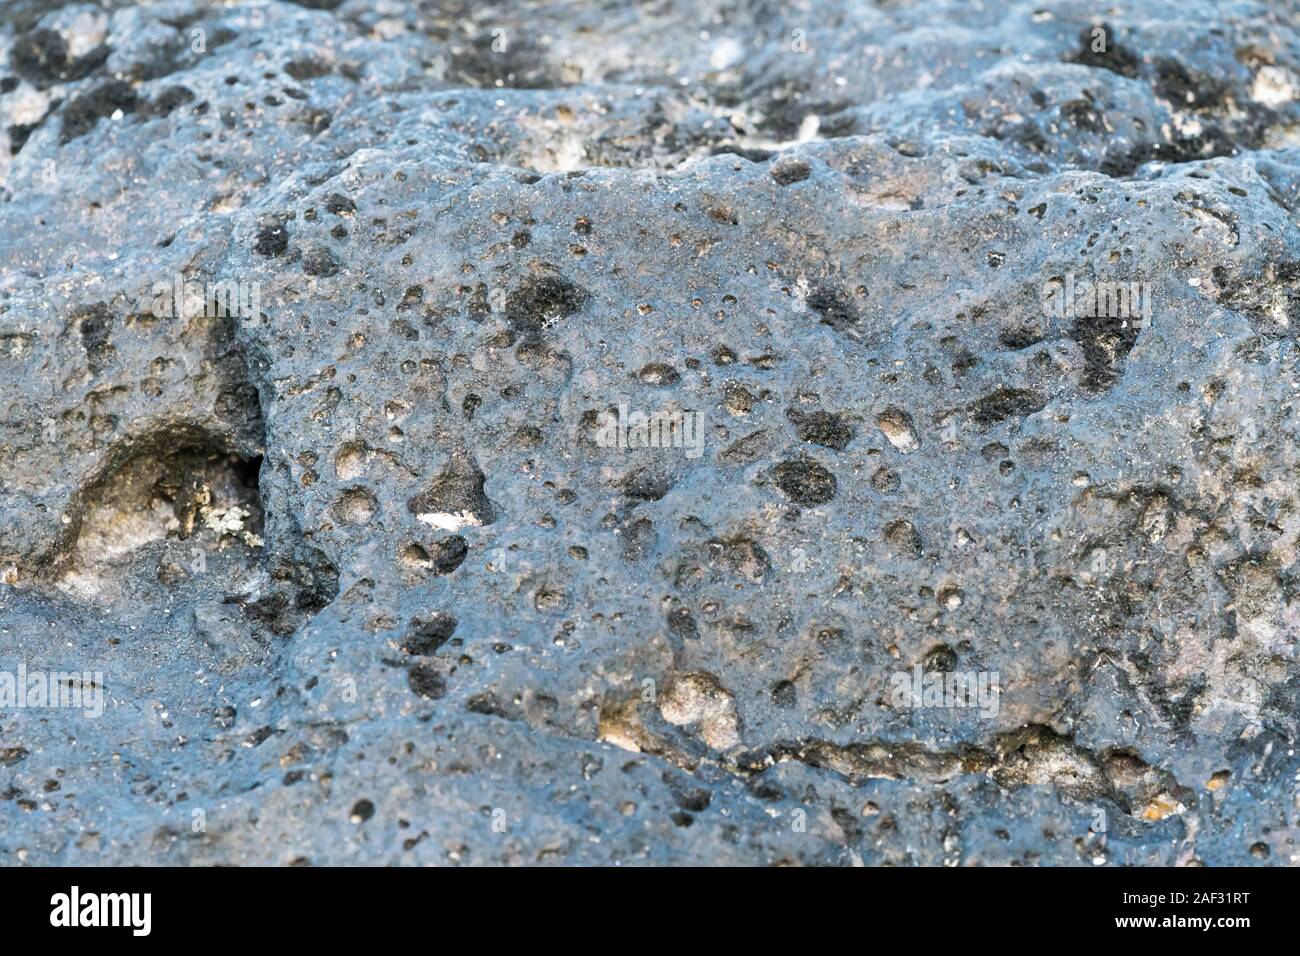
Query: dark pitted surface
x: 367, y: 574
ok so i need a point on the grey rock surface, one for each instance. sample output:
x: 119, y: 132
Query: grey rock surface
x: 359, y: 576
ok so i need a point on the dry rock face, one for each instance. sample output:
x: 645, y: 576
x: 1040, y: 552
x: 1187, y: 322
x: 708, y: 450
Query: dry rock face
x: 464, y: 433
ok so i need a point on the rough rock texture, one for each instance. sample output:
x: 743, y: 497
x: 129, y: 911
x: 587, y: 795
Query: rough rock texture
x: 361, y: 580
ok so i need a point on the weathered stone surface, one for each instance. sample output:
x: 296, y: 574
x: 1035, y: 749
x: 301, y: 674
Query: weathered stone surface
x: 367, y: 583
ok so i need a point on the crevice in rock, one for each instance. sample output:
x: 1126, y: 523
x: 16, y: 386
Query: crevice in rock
x: 1032, y: 756
x: 178, y: 484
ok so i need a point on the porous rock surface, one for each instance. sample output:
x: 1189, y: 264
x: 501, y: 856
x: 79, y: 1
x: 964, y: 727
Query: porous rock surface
x: 364, y: 587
